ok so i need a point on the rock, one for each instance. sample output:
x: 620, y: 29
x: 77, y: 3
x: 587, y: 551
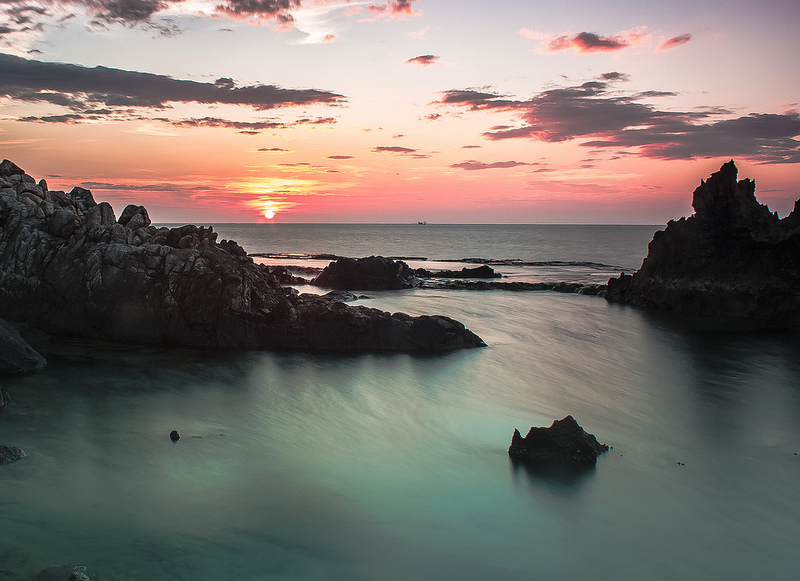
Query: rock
x: 10, y: 454
x: 5, y: 399
x: 341, y: 296
x: 483, y: 271
x: 563, y: 441
x: 67, y: 573
x: 370, y: 273
x: 16, y: 356
x: 732, y: 261
x: 174, y: 435
x: 76, y: 271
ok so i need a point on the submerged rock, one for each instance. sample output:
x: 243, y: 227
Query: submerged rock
x: 563, y: 441
x: 68, y: 267
x: 370, y: 273
x: 16, y: 356
x: 67, y: 573
x: 733, y: 260
x: 10, y: 454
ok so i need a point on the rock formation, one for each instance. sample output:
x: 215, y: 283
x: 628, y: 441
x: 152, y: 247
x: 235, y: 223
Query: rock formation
x: 10, y: 454
x: 732, y: 260
x: 67, y: 267
x: 483, y: 271
x: 370, y: 273
x: 563, y: 441
x: 16, y: 356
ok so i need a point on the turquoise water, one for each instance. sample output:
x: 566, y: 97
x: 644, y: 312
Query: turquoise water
x: 390, y: 467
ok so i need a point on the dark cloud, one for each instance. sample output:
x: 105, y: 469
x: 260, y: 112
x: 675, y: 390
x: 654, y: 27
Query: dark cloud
x: 278, y: 9
x: 587, y: 42
x: 602, y: 118
x: 471, y: 146
x: 82, y: 88
x: 340, y: 157
x: 671, y: 43
x: 473, y: 165
x: 614, y: 76
x: 272, y: 149
x: 424, y: 60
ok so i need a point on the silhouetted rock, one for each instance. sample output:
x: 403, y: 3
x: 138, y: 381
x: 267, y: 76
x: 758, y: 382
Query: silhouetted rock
x: 174, y: 435
x: 563, y: 441
x: 483, y: 271
x: 16, y: 356
x: 370, y: 273
x: 67, y: 267
x: 5, y: 399
x: 733, y: 259
x: 10, y: 454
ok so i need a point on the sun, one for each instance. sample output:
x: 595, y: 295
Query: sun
x: 269, y: 214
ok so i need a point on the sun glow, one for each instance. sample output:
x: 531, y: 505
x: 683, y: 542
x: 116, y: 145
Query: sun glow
x: 269, y: 214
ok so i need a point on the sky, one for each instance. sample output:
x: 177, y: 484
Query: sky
x: 398, y: 111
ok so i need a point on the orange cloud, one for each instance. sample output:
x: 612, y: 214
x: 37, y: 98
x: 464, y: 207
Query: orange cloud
x: 671, y: 43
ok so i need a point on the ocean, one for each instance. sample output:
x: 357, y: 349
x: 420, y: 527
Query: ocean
x: 303, y: 466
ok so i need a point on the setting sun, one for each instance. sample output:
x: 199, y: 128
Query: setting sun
x: 269, y: 214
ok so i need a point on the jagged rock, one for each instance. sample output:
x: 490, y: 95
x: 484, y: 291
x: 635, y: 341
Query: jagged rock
x: 370, y: 273
x: 733, y: 260
x: 68, y: 268
x: 563, y: 441
x: 5, y: 399
x: 16, y: 356
x: 174, y: 435
x: 10, y: 454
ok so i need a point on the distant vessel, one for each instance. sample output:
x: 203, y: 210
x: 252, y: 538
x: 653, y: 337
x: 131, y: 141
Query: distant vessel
x: 421, y: 223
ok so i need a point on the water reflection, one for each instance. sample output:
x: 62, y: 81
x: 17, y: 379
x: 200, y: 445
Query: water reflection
x: 562, y: 478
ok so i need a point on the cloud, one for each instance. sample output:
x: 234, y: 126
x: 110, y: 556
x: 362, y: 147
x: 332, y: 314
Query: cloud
x: 80, y: 87
x: 278, y: 9
x: 272, y: 150
x: 671, y: 43
x: 588, y: 42
x: 400, y: 151
x: 473, y: 165
x: 424, y: 60
x: 396, y: 9
x: 603, y: 118
x: 340, y: 157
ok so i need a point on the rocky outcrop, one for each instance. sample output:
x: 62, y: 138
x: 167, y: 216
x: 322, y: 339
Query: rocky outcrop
x: 68, y: 267
x: 370, y: 273
x: 733, y: 260
x: 563, y: 441
x: 10, y: 454
x: 483, y: 271
x: 67, y: 573
x: 16, y: 356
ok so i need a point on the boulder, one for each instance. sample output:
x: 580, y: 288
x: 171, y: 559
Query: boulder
x: 370, y: 273
x: 67, y: 573
x: 68, y: 268
x: 483, y: 271
x: 563, y: 441
x: 16, y: 356
x: 10, y: 454
x: 731, y: 261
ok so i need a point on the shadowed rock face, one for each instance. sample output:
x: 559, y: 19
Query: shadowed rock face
x: 68, y: 267
x: 16, y: 356
x: 370, y: 273
x: 563, y: 441
x: 732, y: 259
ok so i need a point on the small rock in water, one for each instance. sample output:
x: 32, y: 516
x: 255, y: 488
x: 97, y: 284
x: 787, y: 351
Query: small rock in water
x: 174, y: 435
x: 565, y: 440
x: 9, y: 454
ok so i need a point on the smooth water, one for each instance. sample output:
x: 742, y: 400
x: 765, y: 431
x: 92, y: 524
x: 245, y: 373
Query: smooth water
x: 395, y: 467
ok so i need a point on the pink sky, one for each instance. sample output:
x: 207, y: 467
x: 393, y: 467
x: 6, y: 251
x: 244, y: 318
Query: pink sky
x: 399, y: 111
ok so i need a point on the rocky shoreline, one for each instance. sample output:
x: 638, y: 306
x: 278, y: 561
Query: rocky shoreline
x: 732, y: 263
x: 68, y: 267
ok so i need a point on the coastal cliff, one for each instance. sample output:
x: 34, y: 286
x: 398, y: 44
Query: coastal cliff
x: 732, y: 259
x: 69, y: 267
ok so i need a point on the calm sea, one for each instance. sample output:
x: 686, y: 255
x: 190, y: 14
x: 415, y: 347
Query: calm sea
x: 296, y: 466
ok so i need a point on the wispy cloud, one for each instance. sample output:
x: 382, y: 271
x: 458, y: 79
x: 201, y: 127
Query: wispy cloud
x: 424, y: 60
x: 396, y: 149
x: 588, y: 42
x: 473, y: 165
x: 673, y: 42
x: 602, y: 117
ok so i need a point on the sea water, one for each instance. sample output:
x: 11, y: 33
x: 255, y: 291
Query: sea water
x: 298, y: 466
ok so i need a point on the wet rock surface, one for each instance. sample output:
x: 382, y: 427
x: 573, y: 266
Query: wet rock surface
x: 731, y: 260
x: 369, y: 273
x: 10, y: 454
x: 563, y: 441
x: 16, y: 355
x: 67, y: 267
